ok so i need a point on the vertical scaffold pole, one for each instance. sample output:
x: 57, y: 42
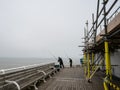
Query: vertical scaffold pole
x: 107, y: 60
x: 107, y: 54
x: 85, y: 61
x: 106, y: 45
x: 85, y: 54
x: 92, y: 61
x: 88, y: 65
x: 88, y: 56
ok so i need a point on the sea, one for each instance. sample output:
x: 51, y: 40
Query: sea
x: 7, y: 63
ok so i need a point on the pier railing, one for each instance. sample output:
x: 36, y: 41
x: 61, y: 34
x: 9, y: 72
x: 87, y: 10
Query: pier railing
x: 22, y: 77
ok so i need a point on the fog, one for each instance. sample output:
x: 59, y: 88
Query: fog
x: 43, y: 28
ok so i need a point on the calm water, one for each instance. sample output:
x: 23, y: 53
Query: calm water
x: 6, y: 63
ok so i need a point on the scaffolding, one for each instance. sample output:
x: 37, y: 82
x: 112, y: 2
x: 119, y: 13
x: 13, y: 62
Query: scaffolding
x: 97, y: 53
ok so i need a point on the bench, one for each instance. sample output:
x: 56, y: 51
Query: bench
x: 23, y: 78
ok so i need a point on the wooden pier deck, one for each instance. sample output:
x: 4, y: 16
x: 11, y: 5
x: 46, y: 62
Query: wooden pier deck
x: 72, y: 79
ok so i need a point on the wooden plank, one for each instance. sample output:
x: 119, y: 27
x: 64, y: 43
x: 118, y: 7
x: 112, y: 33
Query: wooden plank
x: 72, y: 79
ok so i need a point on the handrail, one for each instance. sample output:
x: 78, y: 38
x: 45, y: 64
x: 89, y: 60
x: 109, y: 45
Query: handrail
x: 30, y: 74
x: 4, y: 71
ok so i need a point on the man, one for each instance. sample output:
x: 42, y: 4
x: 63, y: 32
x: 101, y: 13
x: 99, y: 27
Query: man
x: 60, y: 62
x: 70, y: 60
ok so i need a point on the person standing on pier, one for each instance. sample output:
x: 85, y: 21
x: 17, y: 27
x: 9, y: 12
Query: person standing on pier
x: 60, y: 62
x: 70, y: 60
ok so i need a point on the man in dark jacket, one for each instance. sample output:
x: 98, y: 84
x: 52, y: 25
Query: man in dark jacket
x: 60, y: 62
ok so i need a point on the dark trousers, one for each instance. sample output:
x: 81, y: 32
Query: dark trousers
x: 70, y: 64
x: 61, y: 65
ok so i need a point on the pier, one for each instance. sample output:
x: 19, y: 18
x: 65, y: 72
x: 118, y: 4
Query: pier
x: 73, y: 79
x: 46, y: 77
x: 26, y: 76
x: 100, y: 69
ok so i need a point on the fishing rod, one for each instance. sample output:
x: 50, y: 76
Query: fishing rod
x: 52, y: 55
x: 66, y: 54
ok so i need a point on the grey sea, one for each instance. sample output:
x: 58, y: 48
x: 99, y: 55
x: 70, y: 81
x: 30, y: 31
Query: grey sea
x: 6, y: 63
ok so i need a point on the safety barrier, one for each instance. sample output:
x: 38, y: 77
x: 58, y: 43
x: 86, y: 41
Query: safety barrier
x: 21, y: 77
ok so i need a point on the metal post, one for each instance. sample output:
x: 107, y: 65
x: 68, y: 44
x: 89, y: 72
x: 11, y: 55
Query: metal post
x: 88, y: 56
x: 105, y: 86
x: 94, y: 31
x: 92, y: 61
x: 88, y: 64
x: 85, y: 63
x: 106, y: 45
x: 107, y: 60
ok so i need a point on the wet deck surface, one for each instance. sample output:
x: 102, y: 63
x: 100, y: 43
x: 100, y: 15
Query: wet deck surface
x: 72, y: 79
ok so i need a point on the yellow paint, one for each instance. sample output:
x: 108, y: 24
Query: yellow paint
x: 114, y: 86
x: 110, y: 84
x: 117, y: 88
x: 85, y: 63
x: 107, y: 60
x: 105, y: 86
x: 88, y: 65
x: 92, y: 61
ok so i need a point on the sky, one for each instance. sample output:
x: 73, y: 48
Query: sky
x: 43, y: 28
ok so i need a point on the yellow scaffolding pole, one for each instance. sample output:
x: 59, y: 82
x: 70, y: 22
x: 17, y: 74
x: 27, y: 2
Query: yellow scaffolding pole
x: 105, y: 86
x: 107, y: 60
x: 92, y: 61
x: 108, y: 65
x: 88, y: 65
x: 85, y: 59
x: 107, y: 83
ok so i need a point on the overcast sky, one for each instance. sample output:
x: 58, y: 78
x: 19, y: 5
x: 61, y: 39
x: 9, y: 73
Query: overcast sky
x: 42, y: 28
